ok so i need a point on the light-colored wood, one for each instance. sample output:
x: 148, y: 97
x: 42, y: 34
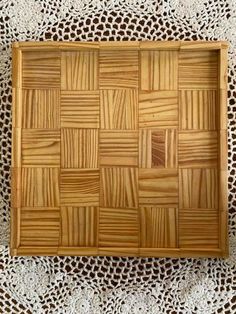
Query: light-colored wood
x: 119, y: 148
x: 17, y: 107
x: 118, y: 69
x: 118, y: 227
x: 41, y: 70
x: 158, y: 227
x: 16, y: 151
x: 223, y: 68
x: 121, y: 251
x: 16, y: 193
x: 37, y: 251
x: 79, y: 109
x: 158, y: 187
x: 119, y: 109
x: 159, y: 70
x: 79, y: 187
x: 222, y: 114
x: 15, y: 227
x: 119, y: 187
x: 198, y: 149
x: 16, y: 68
x: 157, y: 148
x: 198, y: 188
x: 158, y: 109
x: 197, y: 109
x: 41, y: 109
x: 119, y: 45
x: 200, y: 45
x: 82, y: 251
x: 198, y: 228
x: 160, y: 45
x: 39, y: 226
x: 40, y: 148
x: 198, y: 69
x: 79, y: 70
x: 79, y: 226
x: 40, y: 187
x: 79, y: 148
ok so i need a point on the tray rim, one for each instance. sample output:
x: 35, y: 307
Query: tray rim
x: 19, y: 47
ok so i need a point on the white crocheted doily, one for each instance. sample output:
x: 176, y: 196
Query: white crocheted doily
x: 109, y: 285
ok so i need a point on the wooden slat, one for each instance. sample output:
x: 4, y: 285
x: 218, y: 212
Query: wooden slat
x: 79, y: 226
x: 118, y: 69
x: 158, y: 109
x: 198, y: 109
x: 198, y: 69
x: 118, y: 227
x: 119, y: 187
x: 79, y: 70
x: 198, y: 149
x: 158, y: 227
x: 118, y: 148
x: 41, y: 148
x: 198, y: 228
x: 79, y: 109
x: 79, y: 148
x: 160, y: 45
x: 40, y: 187
x: 15, y: 227
x: 159, y: 70
x: 158, y: 187
x: 41, y: 69
x: 41, y: 109
x: 198, y: 188
x: 157, y: 148
x: 81, y: 251
x: 39, y: 227
x: 79, y: 187
x: 119, y: 109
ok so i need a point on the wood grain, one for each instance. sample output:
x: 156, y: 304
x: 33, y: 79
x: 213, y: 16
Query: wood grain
x: 198, y: 149
x: 40, y: 187
x: 79, y: 109
x: 157, y: 148
x: 119, y: 109
x: 118, y: 148
x: 158, y: 109
x: 79, y: 226
x: 198, y: 109
x: 40, y: 226
x: 159, y: 70
x: 41, y: 148
x: 198, y: 69
x: 158, y: 227
x: 198, y: 188
x: 158, y: 187
x: 79, y: 187
x: 79, y: 70
x: 198, y: 228
x: 41, y: 109
x: 41, y: 69
x: 119, y: 187
x: 79, y: 148
x: 118, y: 227
x: 118, y: 69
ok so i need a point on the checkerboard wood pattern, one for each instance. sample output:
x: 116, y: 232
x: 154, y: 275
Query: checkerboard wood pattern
x: 119, y: 148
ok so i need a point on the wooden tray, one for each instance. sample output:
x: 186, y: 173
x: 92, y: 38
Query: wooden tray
x: 119, y: 148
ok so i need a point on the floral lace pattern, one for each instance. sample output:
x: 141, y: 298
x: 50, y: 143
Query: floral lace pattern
x: 106, y: 285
